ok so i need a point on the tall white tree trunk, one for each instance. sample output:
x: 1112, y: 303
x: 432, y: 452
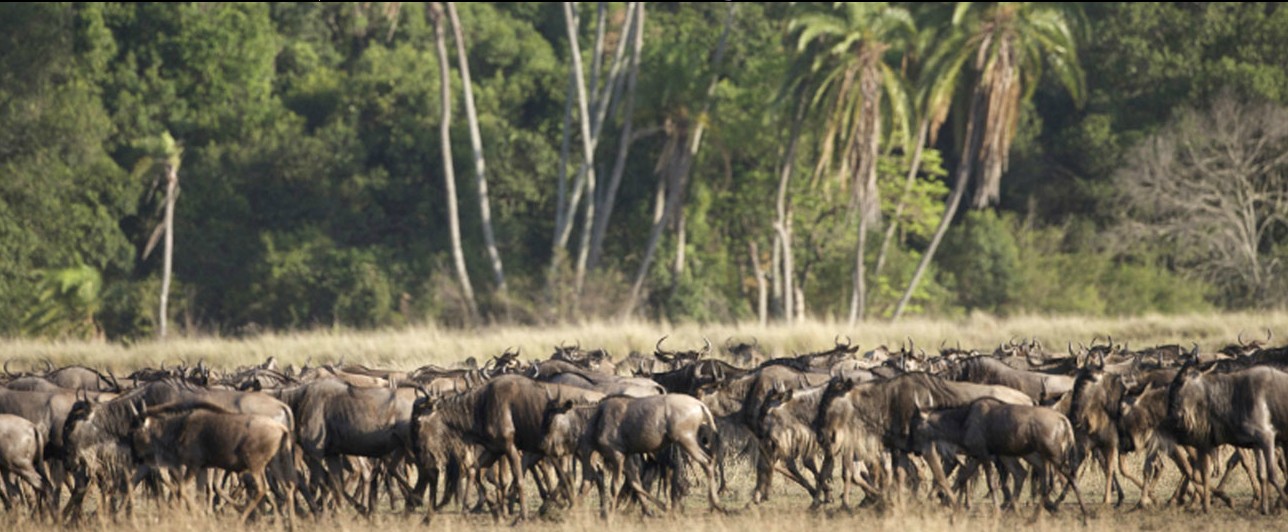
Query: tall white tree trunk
x: 480, y: 164
x: 680, y: 171
x: 609, y: 199
x: 171, y: 189
x: 449, y: 171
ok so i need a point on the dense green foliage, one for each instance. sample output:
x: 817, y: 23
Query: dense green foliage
x: 312, y: 190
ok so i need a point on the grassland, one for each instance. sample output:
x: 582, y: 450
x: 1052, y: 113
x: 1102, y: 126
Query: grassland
x: 787, y: 511
x: 414, y: 346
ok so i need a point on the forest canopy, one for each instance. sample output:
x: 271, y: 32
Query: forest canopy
x: 301, y: 165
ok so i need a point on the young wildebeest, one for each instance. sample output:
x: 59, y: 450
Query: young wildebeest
x: 988, y: 428
x: 1247, y: 408
x: 625, y: 426
x: 503, y: 418
x: 22, y: 446
x: 189, y: 436
x: 860, y: 421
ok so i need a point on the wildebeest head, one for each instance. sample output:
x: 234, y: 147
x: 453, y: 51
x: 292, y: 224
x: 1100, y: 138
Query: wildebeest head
x: 679, y: 359
x: 1187, y: 400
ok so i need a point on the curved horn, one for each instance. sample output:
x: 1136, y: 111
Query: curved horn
x: 658, y: 347
x: 1195, y: 352
x: 6, y: 369
x: 49, y: 366
x: 1239, y: 338
x: 1269, y: 335
x: 705, y: 349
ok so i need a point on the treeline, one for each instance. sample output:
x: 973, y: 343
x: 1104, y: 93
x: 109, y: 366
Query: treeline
x: 697, y: 162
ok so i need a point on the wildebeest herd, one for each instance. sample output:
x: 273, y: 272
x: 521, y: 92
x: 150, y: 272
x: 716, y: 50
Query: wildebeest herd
x: 272, y: 440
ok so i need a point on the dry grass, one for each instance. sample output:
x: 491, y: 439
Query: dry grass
x: 787, y: 511
x: 411, y: 347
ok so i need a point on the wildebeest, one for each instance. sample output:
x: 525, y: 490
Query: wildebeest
x: 22, y: 445
x: 503, y: 417
x: 1247, y: 408
x: 856, y: 421
x: 335, y: 419
x: 1041, y: 387
x: 189, y: 436
x: 625, y: 426
x: 1093, y: 409
x: 987, y: 428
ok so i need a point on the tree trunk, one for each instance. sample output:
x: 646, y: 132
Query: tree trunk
x: 680, y: 170
x: 858, y: 299
x: 605, y: 212
x: 171, y: 189
x: 587, y: 147
x: 762, y: 288
x: 865, y: 181
x: 565, y: 151
x: 969, y: 152
x: 449, y: 172
x: 480, y: 166
x: 903, y: 198
x: 783, y: 222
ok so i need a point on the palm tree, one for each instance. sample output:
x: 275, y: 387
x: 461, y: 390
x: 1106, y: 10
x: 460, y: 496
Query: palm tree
x: 1006, y: 44
x: 842, y: 51
x: 171, y: 154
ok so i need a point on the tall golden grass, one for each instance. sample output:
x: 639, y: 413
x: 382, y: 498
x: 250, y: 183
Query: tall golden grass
x: 414, y: 346
x: 786, y: 512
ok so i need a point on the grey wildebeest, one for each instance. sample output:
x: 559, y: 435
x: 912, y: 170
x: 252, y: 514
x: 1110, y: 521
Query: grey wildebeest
x: 22, y: 446
x: 503, y: 418
x: 624, y: 426
x: 1246, y: 408
x: 335, y: 419
x: 987, y: 428
x: 1041, y: 387
x: 97, y: 437
x: 855, y: 422
x: 189, y: 436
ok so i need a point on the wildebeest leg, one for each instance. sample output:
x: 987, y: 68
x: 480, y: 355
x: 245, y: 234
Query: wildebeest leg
x: 608, y: 494
x: 335, y: 475
x: 764, y: 476
x: 707, y: 462
x: 1017, y: 473
x: 936, y: 464
x: 990, y: 474
x: 1072, y: 483
x: 258, y: 485
x: 1205, y: 477
x: 1109, y: 458
x: 516, y: 469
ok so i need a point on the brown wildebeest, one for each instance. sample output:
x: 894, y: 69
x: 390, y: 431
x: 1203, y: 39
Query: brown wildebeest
x: 987, y: 428
x: 625, y: 426
x: 1246, y: 408
x: 1142, y: 426
x: 189, y: 436
x: 1093, y: 410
